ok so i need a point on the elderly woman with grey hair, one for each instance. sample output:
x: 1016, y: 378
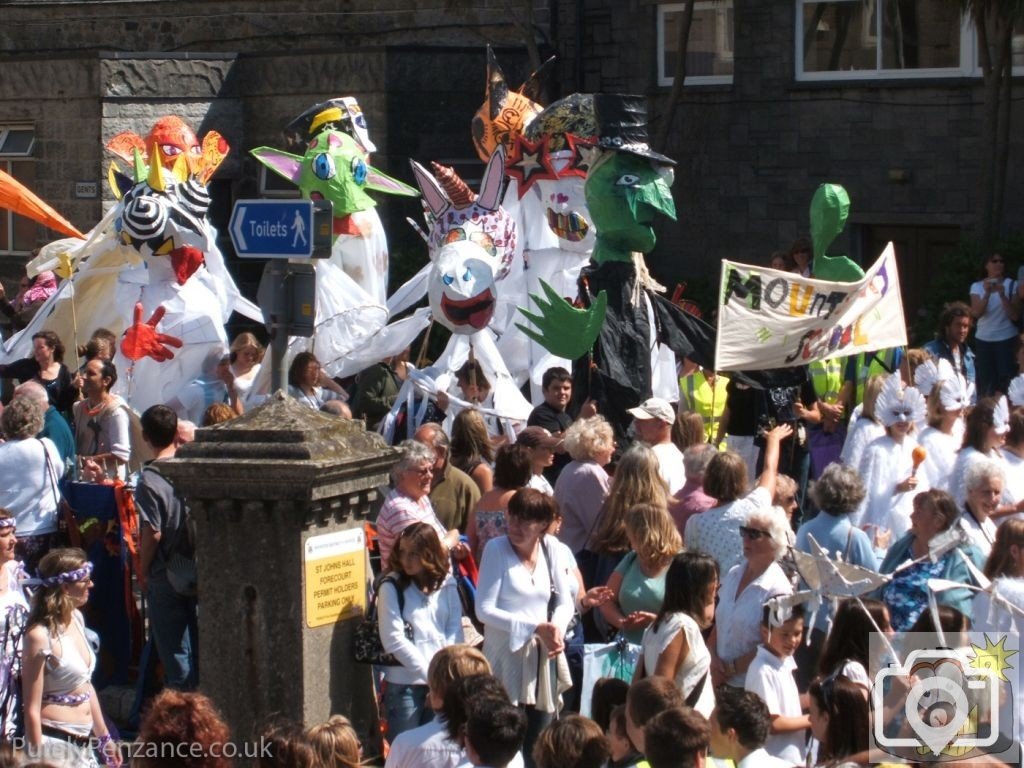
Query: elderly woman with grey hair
x: 29, y: 470
x: 985, y: 481
x: 408, y: 501
x: 836, y: 494
x: 744, y: 591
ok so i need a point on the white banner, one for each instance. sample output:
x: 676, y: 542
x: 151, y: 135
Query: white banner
x: 773, y: 319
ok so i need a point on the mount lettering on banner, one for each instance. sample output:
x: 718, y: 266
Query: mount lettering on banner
x: 773, y: 319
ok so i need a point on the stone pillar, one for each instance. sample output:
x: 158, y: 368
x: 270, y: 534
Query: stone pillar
x: 264, y: 490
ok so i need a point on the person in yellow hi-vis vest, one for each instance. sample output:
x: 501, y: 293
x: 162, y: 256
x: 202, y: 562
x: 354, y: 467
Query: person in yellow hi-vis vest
x: 703, y: 391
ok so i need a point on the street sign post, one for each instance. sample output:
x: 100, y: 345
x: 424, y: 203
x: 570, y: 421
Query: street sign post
x: 272, y: 229
x: 284, y: 229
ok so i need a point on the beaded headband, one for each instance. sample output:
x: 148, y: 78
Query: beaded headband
x: 68, y: 577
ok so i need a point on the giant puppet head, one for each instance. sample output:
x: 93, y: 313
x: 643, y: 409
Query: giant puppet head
x: 335, y: 167
x: 829, y: 208
x: 504, y: 113
x: 163, y: 211
x: 174, y: 139
x: 342, y: 113
x: 549, y: 162
x: 472, y: 243
x: 629, y: 184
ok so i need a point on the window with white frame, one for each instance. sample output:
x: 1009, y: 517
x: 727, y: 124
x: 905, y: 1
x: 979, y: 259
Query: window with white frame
x: 859, y: 39
x: 709, y: 51
x: 17, y: 233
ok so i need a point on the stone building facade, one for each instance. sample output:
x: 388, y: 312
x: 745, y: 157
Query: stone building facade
x: 751, y: 150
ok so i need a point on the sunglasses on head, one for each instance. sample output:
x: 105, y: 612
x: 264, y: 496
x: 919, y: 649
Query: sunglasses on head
x: 753, y: 533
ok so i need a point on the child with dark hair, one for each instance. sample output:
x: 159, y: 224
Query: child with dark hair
x: 646, y: 699
x: 623, y: 752
x: 840, y: 718
x: 573, y: 741
x: 677, y: 738
x: 770, y: 676
x: 740, y: 726
x: 494, y: 732
x: 846, y: 649
x: 284, y: 745
x: 609, y: 693
x: 460, y: 701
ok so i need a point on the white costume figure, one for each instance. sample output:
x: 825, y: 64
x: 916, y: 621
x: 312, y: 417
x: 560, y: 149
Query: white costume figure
x: 947, y: 399
x: 888, y: 462
x: 156, y: 248
x: 863, y: 431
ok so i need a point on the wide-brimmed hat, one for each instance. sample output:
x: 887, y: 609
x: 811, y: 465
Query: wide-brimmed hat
x: 622, y: 125
x: 654, y: 408
x: 537, y: 437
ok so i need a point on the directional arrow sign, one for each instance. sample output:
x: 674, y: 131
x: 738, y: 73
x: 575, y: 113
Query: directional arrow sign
x: 273, y: 229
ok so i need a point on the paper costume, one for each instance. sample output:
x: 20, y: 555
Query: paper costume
x: 503, y: 114
x: 156, y: 249
x: 829, y: 208
x: 473, y: 245
x: 613, y: 338
x: 351, y: 285
x: 547, y: 168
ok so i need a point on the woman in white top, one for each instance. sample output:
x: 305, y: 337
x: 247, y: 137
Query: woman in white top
x: 422, y: 595
x: 673, y: 646
x: 987, y: 425
x: 941, y: 439
x: 743, y: 593
x: 30, y: 469
x: 246, y: 360
x: 890, y: 476
x: 524, y: 601
x: 63, y: 718
x: 1013, y: 453
x: 995, y: 302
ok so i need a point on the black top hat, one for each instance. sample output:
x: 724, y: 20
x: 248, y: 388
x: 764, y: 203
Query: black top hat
x: 341, y: 113
x: 622, y: 125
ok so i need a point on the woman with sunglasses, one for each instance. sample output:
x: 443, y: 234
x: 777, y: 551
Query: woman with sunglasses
x: 63, y: 718
x: 996, y: 304
x: 743, y: 593
x: 908, y: 561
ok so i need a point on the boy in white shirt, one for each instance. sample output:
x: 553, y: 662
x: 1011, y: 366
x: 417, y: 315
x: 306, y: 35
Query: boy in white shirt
x: 430, y: 745
x: 770, y: 676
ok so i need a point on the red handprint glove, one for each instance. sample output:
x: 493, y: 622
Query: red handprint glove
x: 143, y: 340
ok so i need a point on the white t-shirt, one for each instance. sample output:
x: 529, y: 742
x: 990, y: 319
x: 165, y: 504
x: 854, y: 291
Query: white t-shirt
x: 695, y: 666
x: 995, y: 324
x: 670, y: 461
x: 1014, y: 487
x: 771, y: 678
x: 27, y: 491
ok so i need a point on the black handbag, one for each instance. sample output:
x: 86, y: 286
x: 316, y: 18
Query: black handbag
x: 367, y: 647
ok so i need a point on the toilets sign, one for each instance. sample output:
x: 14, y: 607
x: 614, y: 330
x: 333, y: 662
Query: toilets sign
x: 273, y: 229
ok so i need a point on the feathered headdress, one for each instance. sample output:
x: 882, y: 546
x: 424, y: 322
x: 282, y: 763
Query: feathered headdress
x: 1001, y: 416
x: 1015, y: 393
x: 931, y: 376
x: 896, y: 404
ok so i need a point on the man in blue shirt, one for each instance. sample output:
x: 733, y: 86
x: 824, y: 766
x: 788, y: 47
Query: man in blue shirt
x: 951, y: 343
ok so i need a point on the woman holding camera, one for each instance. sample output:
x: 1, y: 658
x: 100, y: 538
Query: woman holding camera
x: 996, y: 304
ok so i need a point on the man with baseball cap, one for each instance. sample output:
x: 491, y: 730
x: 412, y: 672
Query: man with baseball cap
x: 653, y: 420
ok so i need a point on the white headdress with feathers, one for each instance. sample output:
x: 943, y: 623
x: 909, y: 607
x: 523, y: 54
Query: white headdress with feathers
x: 932, y: 374
x: 1016, y: 392
x: 896, y: 404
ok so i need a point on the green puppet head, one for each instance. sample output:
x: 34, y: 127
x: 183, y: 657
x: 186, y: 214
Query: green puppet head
x: 624, y: 194
x: 334, y: 168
